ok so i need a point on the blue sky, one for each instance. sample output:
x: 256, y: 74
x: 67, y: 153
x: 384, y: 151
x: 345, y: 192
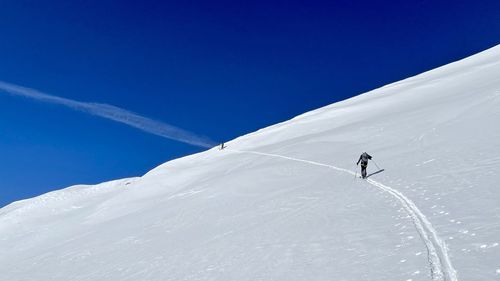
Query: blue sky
x: 218, y: 69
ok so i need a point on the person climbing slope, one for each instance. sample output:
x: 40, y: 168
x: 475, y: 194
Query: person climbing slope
x: 364, y: 163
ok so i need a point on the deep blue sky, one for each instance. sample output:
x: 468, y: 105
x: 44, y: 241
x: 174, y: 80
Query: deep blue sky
x: 220, y: 69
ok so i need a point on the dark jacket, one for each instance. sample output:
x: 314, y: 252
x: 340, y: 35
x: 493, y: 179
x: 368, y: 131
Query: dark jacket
x: 364, y: 159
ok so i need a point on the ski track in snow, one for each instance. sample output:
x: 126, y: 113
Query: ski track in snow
x: 437, y: 252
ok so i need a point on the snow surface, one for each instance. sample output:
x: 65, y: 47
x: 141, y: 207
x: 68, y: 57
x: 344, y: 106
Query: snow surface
x: 285, y: 203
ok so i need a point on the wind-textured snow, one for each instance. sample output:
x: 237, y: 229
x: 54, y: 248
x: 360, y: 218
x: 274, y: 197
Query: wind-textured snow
x: 286, y: 202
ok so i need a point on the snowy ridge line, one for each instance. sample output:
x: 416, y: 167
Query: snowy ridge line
x: 437, y: 253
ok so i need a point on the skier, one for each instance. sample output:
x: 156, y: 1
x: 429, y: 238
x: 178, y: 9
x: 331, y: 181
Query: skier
x: 364, y: 163
x: 222, y: 146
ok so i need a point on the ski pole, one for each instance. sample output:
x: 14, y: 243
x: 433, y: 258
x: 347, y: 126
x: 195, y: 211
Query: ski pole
x: 376, y: 164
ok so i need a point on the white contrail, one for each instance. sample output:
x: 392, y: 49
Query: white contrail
x: 113, y: 113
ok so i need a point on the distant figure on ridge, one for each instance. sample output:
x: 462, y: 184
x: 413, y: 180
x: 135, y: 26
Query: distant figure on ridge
x: 222, y: 146
x: 364, y: 163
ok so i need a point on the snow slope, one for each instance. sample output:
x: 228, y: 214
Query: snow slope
x: 284, y: 203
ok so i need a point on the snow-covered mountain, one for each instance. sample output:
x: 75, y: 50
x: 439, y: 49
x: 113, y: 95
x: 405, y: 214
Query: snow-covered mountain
x: 284, y: 203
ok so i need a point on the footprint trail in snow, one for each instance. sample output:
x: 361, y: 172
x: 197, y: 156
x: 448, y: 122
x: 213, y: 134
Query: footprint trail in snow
x: 439, y: 261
